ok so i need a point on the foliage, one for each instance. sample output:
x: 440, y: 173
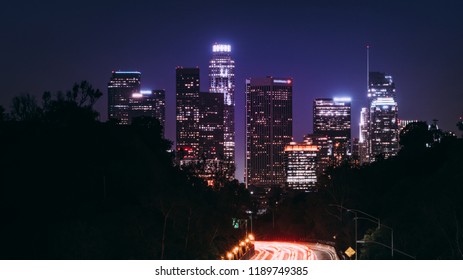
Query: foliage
x: 75, y: 188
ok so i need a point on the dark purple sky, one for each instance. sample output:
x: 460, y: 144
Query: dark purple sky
x: 48, y: 45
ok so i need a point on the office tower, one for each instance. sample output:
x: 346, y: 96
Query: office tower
x: 269, y: 125
x: 301, y: 164
x: 364, y: 139
x: 120, y: 88
x: 383, y: 134
x: 222, y: 81
x: 150, y: 103
x: 332, y: 118
x: 187, y: 113
x: 210, y: 165
x: 355, y: 158
x: 404, y: 123
x: 210, y: 126
x: 384, y: 137
x: 325, y: 150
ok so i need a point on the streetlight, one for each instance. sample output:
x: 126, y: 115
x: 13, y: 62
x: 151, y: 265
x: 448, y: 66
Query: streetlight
x: 392, y: 233
x: 355, y: 220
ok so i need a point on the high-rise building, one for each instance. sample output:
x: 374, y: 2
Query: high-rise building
x: 301, y: 165
x: 332, y: 118
x: 364, y: 139
x: 210, y: 126
x: 384, y: 132
x: 187, y: 112
x: 120, y: 89
x: 222, y: 81
x: 269, y: 125
x: 325, y: 151
x: 379, y: 123
x: 151, y: 103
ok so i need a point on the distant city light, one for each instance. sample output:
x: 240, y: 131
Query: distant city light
x: 342, y: 99
x: 282, y: 81
x: 221, y: 48
x: 145, y: 92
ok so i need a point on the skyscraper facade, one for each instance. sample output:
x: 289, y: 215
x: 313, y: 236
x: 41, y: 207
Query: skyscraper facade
x: 301, y: 166
x: 269, y: 125
x: 120, y: 89
x: 210, y: 126
x: 383, y: 130
x: 364, y: 136
x: 332, y: 118
x: 151, y: 103
x: 222, y: 81
x: 187, y: 112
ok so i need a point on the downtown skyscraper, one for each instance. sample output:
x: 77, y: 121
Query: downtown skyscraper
x: 222, y: 81
x: 120, y: 89
x: 379, y: 130
x: 332, y: 119
x: 149, y: 103
x: 187, y: 113
x: 269, y: 125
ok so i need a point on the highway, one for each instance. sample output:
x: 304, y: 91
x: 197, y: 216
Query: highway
x: 275, y: 250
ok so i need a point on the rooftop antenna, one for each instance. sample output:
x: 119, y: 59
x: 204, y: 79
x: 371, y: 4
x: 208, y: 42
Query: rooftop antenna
x: 368, y: 67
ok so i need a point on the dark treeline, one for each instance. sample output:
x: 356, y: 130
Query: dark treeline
x: 72, y: 187
x: 418, y: 193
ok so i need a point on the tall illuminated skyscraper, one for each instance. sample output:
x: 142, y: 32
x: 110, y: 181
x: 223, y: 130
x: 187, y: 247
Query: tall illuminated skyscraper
x: 301, y: 166
x: 332, y: 118
x: 210, y: 126
x: 187, y: 113
x: 269, y: 125
x: 222, y: 81
x: 120, y: 88
x: 384, y: 130
x: 150, y: 103
x: 381, y: 138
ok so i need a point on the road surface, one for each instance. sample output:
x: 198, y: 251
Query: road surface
x: 275, y: 250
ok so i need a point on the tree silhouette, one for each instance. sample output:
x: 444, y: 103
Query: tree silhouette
x: 25, y: 108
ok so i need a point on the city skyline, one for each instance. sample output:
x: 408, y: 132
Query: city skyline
x: 322, y: 47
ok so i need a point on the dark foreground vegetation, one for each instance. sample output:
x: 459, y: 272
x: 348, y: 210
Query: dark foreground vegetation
x: 72, y: 187
x: 419, y: 194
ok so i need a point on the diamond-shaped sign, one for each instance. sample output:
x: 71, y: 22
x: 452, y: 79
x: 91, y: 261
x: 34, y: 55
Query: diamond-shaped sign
x: 350, y: 252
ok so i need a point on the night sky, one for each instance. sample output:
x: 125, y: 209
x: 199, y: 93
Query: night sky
x: 49, y: 45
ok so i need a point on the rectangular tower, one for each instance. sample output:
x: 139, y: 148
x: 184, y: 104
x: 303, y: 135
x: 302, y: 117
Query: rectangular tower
x: 301, y: 166
x: 150, y: 103
x: 222, y: 82
x: 332, y: 118
x: 120, y: 89
x: 269, y: 125
x: 187, y: 113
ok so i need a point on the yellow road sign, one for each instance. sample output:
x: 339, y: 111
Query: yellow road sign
x: 350, y: 252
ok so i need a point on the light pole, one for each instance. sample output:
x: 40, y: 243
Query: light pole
x: 379, y: 227
x: 355, y: 220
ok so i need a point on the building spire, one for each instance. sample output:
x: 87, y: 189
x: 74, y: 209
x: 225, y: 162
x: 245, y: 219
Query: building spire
x: 368, y: 66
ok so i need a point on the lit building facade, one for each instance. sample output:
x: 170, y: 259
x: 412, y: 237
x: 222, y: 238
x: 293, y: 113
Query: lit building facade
x: 222, y: 81
x: 187, y: 113
x: 383, y: 130
x: 210, y: 126
x: 121, y: 86
x: 301, y: 166
x: 332, y: 118
x: 325, y: 151
x: 379, y: 123
x: 364, y: 136
x: 269, y: 125
x: 150, y: 103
